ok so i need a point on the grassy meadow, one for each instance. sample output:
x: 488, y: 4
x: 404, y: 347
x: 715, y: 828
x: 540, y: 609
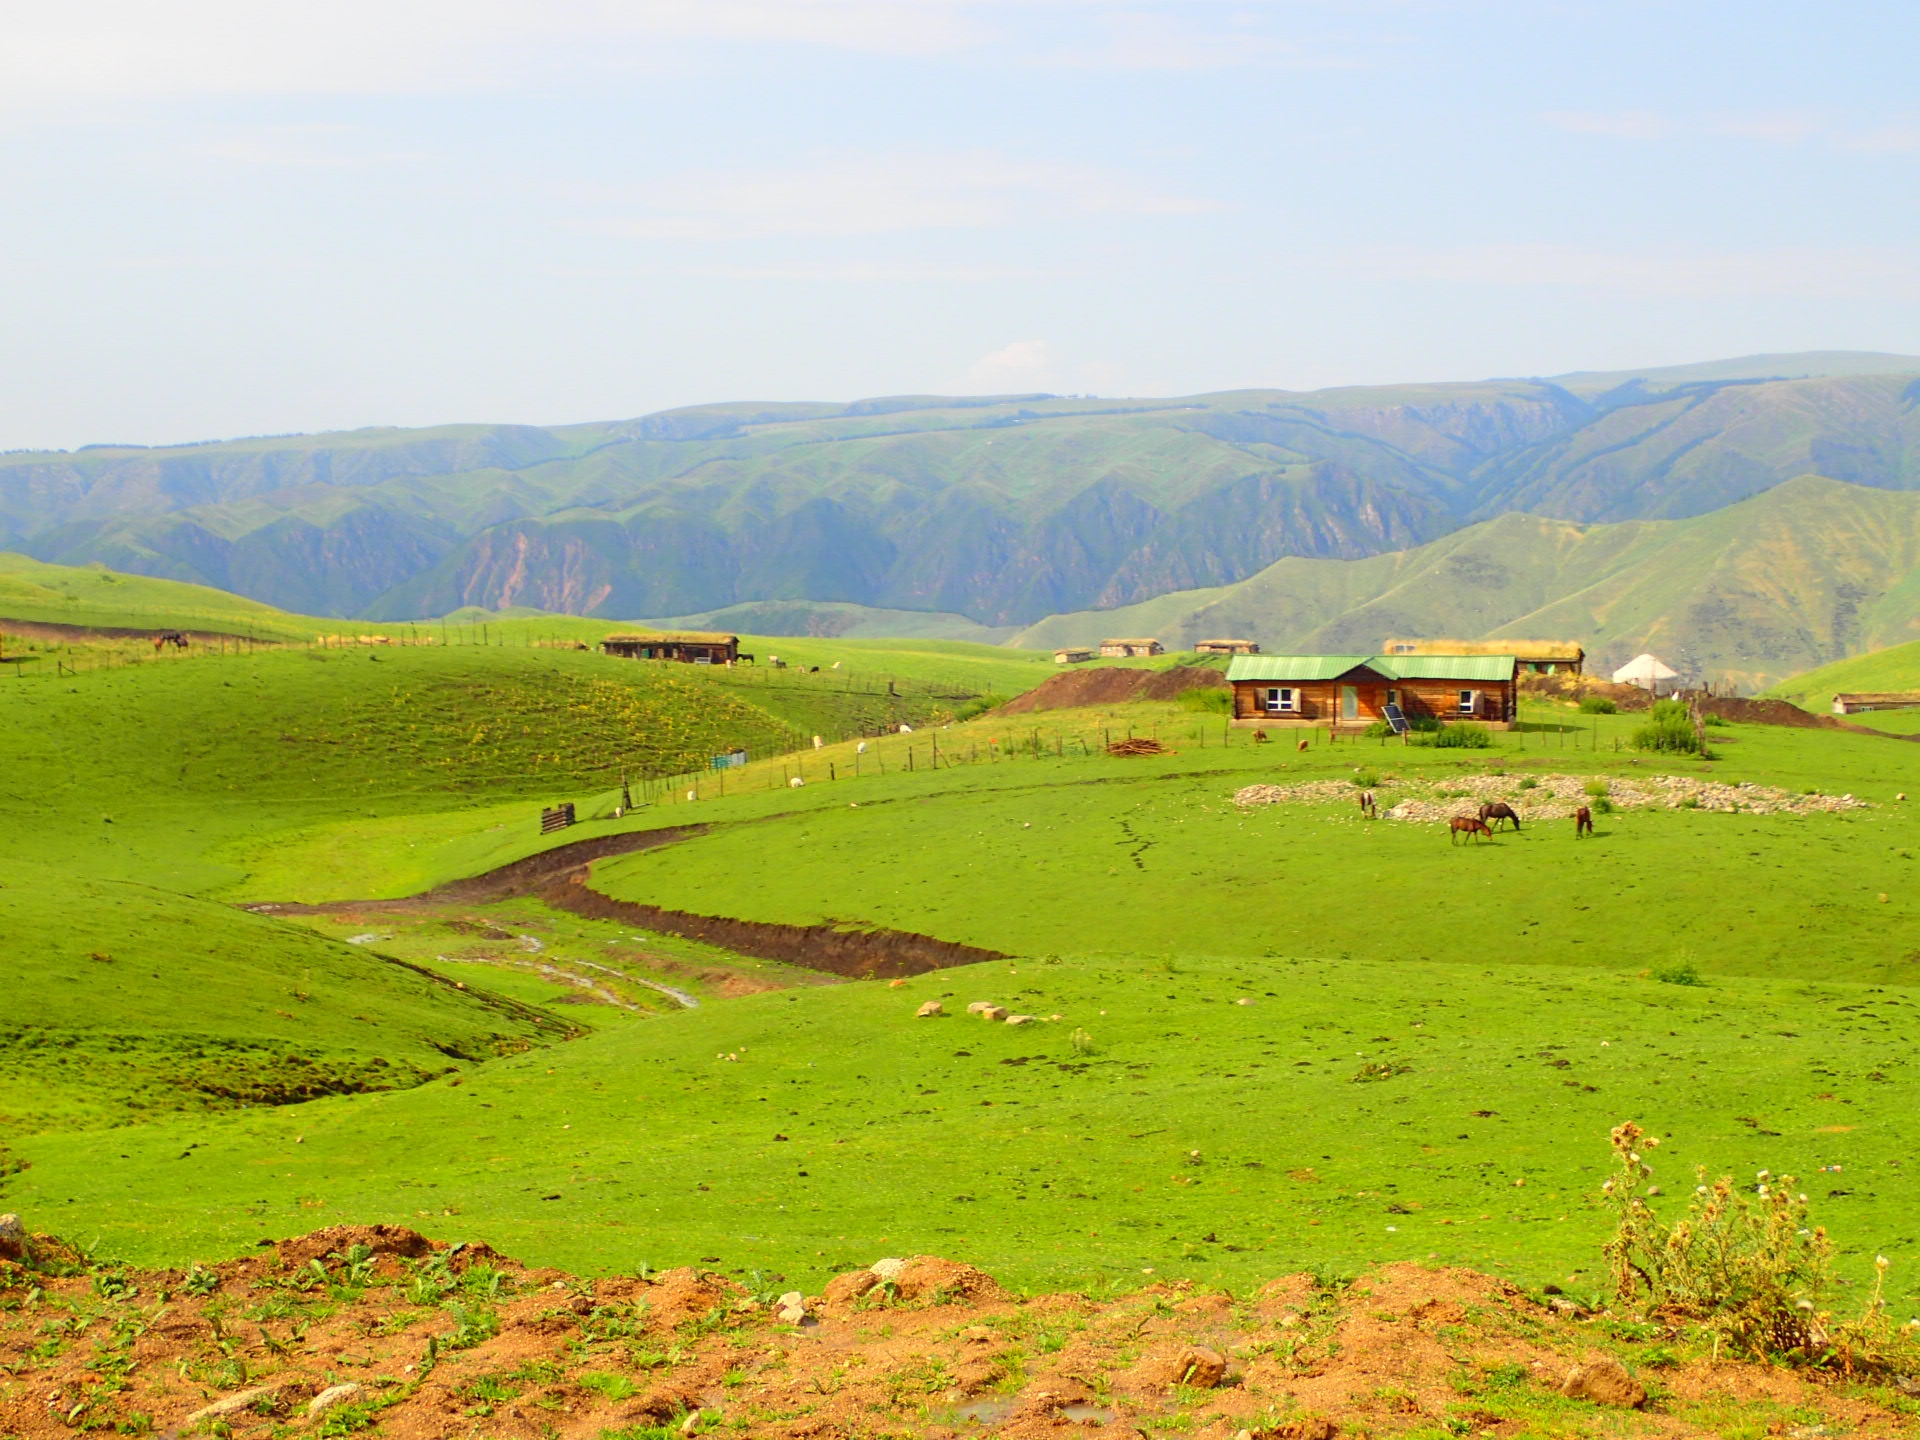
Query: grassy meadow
x: 1435, y: 1039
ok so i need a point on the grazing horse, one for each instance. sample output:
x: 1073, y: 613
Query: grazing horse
x: 170, y: 637
x: 1468, y: 825
x: 1303, y: 745
x: 1367, y: 807
x: 1582, y: 822
x: 1494, y: 811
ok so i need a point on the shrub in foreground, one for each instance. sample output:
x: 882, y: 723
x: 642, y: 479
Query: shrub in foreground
x: 1669, y: 729
x: 1463, y: 736
x: 1597, y: 705
x: 1753, y: 1271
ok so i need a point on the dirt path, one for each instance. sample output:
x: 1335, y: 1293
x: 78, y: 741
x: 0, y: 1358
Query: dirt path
x: 560, y: 877
x: 378, y: 1328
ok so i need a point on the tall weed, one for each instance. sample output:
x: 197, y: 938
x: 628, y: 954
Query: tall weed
x: 1753, y: 1270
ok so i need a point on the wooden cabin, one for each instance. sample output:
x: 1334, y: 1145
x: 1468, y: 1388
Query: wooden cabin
x: 1536, y: 657
x: 1226, y: 647
x: 1072, y: 656
x: 1130, y: 649
x: 1353, y: 691
x: 1858, y: 702
x: 689, y: 647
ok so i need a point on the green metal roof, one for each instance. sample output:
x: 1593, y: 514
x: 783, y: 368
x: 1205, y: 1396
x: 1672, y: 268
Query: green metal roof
x: 1446, y: 667
x: 1280, y: 669
x: 1291, y: 667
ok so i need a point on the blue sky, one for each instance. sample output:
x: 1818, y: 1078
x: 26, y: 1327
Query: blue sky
x: 235, y: 218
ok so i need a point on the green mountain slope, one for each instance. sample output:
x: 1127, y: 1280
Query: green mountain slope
x: 1000, y: 510
x: 1805, y: 573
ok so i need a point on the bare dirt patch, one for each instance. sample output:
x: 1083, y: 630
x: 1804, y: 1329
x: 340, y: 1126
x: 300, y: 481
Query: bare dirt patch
x: 1112, y: 685
x: 436, y: 1341
x: 559, y: 877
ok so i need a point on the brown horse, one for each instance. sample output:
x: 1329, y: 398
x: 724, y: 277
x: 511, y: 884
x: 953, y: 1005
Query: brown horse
x: 1582, y: 822
x: 1494, y: 811
x: 1468, y: 825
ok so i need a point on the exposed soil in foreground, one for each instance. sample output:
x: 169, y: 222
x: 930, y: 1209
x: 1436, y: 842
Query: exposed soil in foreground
x: 559, y: 877
x: 374, y: 1328
x: 1113, y: 685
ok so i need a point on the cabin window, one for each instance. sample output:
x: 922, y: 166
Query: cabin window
x: 1469, y: 701
x: 1279, y: 700
x: 1393, y: 697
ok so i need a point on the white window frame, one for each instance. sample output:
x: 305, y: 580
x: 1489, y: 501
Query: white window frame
x: 1280, y: 700
x: 1469, y: 702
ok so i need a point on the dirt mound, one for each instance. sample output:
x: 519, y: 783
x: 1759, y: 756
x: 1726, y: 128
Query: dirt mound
x: 1112, y: 685
x: 1141, y: 745
x: 338, y: 1239
x: 419, y: 1346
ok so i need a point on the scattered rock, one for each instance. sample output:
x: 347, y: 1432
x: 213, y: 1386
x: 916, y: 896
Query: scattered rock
x: 888, y: 1269
x: 1199, y: 1367
x: 1019, y: 1019
x: 1566, y: 1309
x: 1605, y: 1382
x: 845, y: 1289
x: 978, y: 1006
x: 691, y: 1425
x: 331, y: 1396
x: 13, y: 1238
x: 994, y: 1013
x: 791, y: 1308
x: 931, y: 1007
x: 226, y: 1405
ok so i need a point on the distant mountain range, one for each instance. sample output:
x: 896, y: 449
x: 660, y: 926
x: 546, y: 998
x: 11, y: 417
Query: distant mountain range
x: 1014, y: 516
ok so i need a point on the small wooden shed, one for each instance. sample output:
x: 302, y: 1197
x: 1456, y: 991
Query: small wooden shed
x: 1130, y: 649
x: 1353, y: 691
x: 1078, y: 655
x: 1538, y: 657
x: 1226, y: 647
x: 689, y: 647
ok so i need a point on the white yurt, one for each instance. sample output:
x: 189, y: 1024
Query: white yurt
x: 1649, y: 672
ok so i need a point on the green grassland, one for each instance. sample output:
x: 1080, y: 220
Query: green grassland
x: 1429, y: 1024
x: 124, y: 1001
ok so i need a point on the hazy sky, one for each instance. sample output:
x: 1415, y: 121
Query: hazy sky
x: 267, y: 215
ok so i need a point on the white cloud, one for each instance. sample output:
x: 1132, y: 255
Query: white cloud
x: 137, y: 49
x: 1616, y: 124
x: 1688, y: 274
x: 307, y: 147
x: 1023, y: 365
x: 1775, y: 127
x: 1138, y: 39
x: 883, y: 194
x: 1900, y: 138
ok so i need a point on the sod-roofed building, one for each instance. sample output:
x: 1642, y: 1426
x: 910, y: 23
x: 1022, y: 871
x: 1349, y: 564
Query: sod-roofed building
x: 1540, y: 657
x: 1353, y: 691
x: 693, y: 647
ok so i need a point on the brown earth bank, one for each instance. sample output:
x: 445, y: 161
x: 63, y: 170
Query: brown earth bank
x: 1113, y: 685
x: 559, y: 877
x: 52, y: 630
x: 375, y: 1329
x: 1726, y: 707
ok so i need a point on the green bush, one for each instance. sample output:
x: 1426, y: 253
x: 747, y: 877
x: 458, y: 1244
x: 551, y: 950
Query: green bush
x: 1210, y: 699
x: 1378, y: 730
x: 1463, y: 736
x: 1597, y: 705
x: 1669, y: 728
x: 1596, y: 788
x: 979, y: 705
x: 1682, y: 972
x: 1365, y: 780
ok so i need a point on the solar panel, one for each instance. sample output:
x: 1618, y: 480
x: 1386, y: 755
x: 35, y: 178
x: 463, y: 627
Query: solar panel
x: 1395, y: 718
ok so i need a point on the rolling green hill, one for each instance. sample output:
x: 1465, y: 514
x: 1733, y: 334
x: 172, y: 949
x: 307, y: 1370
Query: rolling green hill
x: 1895, y: 668
x: 1000, y: 510
x: 1799, y: 575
